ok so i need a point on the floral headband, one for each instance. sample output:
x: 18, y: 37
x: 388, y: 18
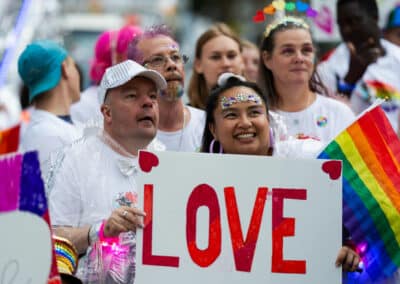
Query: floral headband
x: 298, y: 22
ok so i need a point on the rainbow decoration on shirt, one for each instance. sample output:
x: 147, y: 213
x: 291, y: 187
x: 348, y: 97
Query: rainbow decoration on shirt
x: 22, y: 189
x: 373, y: 89
x: 370, y: 151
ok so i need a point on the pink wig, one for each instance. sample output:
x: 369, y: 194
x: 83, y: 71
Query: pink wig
x: 111, y: 47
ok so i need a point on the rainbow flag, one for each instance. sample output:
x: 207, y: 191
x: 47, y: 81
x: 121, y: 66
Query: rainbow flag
x: 22, y: 189
x: 9, y: 139
x: 370, y: 151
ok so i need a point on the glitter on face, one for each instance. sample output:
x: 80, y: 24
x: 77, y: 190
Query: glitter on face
x: 240, y: 98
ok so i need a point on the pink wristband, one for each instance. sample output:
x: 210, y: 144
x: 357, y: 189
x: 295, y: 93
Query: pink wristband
x: 102, y: 238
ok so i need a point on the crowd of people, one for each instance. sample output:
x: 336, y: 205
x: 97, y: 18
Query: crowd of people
x: 274, y: 99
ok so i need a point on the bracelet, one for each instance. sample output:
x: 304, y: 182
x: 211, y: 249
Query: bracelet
x: 344, y: 87
x: 96, y: 233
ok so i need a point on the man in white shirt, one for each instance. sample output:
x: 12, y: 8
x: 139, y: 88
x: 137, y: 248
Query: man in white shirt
x: 181, y: 127
x: 365, y: 66
x: 92, y: 191
x: 53, y: 82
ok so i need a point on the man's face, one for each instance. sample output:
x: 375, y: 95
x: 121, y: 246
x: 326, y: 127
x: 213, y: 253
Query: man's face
x: 131, y: 110
x: 161, y: 53
x: 356, y: 25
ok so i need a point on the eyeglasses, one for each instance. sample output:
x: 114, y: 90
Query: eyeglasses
x: 160, y: 60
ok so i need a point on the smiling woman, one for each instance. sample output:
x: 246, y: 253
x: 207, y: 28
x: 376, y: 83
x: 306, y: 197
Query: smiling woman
x: 237, y: 118
x: 238, y: 123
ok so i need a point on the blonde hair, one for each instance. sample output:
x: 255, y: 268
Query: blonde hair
x: 248, y: 44
x: 198, y: 91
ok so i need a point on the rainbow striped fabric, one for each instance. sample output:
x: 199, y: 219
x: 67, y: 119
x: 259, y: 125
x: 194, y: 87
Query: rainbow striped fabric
x: 370, y: 151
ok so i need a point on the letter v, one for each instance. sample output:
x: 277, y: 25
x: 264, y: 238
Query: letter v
x: 243, y: 251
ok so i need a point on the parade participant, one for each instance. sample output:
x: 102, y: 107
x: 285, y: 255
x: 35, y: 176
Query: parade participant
x: 181, y: 127
x: 92, y: 191
x: 53, y: 82
x: 294, y: 93
x: 365, y: 66
x: 238, y: 123
x: 110, y: 48
x: 218, y: 50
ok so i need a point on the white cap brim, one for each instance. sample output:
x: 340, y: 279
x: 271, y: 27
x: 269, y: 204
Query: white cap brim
x: 156, y: 77
x: 119, y: 74
x: 224, y: 77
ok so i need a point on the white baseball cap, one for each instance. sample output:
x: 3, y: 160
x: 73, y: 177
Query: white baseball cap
x: 224, y: 77
x: 117, y: 75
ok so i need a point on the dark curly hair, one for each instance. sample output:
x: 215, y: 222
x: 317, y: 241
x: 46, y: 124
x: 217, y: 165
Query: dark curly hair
x: 368, y: 6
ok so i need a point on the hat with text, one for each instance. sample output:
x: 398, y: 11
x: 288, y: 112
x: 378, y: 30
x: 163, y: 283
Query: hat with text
x: 125, y: 71
x: 39, y: 66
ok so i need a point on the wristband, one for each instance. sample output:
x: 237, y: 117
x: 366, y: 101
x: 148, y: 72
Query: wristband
x: 102, y: 238
x: 95, y: 231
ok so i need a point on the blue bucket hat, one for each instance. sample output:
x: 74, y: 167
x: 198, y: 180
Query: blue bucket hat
x: 40, y: 66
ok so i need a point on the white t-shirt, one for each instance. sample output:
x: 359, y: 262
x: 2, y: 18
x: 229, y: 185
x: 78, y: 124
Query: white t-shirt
x: 323, y: 120
x: 386, y: 70
x: 84, y: 189
x: 47, y: 133
x: 88, y: 107
x: 308, y: 148
x: 189, y: 138
x: 10, y: 108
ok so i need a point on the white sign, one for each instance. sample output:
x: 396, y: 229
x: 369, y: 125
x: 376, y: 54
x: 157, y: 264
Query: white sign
x: 238, y: 219
x: 25, y: 247
x: 325, y: 27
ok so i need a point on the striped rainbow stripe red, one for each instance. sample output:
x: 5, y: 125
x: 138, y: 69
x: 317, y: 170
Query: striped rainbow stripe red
x: 382, y: 90
x: 370, y: 151
x: 9, y: 139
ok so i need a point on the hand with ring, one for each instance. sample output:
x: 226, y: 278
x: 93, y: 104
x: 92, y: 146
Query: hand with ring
x: 123, y: 219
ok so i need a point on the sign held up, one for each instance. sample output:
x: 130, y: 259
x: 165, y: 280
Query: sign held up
x: 234, y: 218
